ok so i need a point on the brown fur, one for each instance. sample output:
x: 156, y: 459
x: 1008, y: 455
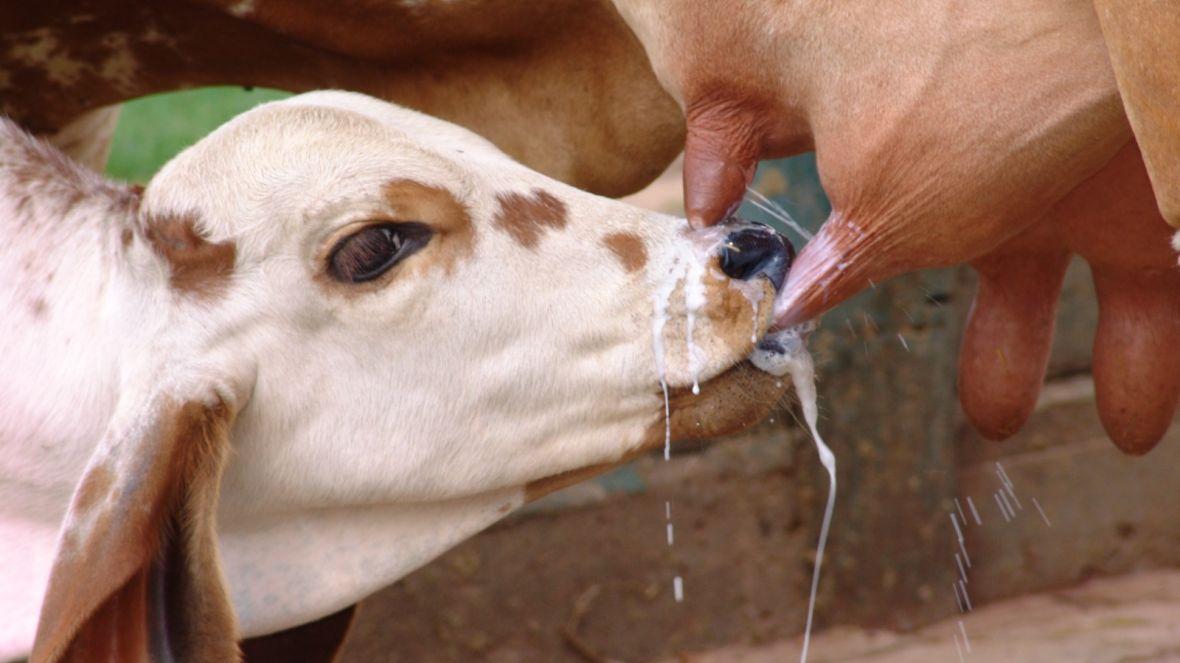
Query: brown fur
x: 43, y: 183
x: 199, y: 268
x: 454, y: 234
x: 99, y: 604
x: 729, y: 403
x: 539, y: 488
x: 731, y: 314
x: 453, y: 240
x: 1143, y: 41
x: 94, y: 488
x: 628, y: 248
x: 931, y: 161
x: 561, y: 85
x: 526, y: 218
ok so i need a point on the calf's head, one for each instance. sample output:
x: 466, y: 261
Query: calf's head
x: 395, y: 335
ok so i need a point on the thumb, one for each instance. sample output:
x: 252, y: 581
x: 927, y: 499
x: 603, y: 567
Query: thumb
x: 721, y: 153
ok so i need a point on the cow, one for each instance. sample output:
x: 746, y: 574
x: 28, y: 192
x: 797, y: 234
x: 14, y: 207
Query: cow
x: 946, y: 132
x: 324, y: 344
x: 1141, y: 39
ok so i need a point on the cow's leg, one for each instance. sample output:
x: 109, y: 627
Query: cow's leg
x: 316, y: 641
x: 1143, y: 41
x: 88, y: 137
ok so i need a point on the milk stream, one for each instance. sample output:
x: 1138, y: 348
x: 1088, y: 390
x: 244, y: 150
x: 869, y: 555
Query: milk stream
x: 786, y: 353
x: 693, y: 299
x: 659, y: 321
x: 689, y: 266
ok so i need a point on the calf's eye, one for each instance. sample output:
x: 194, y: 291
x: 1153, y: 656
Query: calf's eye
x: 373, y: 250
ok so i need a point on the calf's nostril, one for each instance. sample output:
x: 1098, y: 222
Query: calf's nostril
x: 756, y: 251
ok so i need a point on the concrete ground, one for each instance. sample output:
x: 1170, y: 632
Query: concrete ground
x: 1107, y: 620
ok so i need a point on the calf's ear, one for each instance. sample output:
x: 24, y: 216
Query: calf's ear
x: 40, y: 186
x: 137, y: 575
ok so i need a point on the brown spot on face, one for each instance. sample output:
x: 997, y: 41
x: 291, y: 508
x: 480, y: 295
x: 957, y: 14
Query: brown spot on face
x: 730, y: 312
x: 38, y: 307
x: 126, y: 237
x: 628, y: 248
x: 726, y: 323
x: 454, y: 235
x: 452, y: 239
x: 526, y: 217
x: 199, y: 268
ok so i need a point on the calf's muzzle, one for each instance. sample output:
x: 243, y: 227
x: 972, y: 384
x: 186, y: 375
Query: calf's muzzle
x: 755, y: 250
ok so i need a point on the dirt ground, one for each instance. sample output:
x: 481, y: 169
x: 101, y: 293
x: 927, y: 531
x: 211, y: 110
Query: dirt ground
x: 1108, y: 620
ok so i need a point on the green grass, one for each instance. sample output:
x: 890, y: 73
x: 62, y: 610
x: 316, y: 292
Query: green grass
x: 153, y: 129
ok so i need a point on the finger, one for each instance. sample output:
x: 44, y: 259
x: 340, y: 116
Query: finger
x: 721, y: 153
x: 1008, y: 337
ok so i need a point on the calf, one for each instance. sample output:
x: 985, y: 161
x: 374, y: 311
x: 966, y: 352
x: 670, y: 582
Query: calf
x: 323, y: 345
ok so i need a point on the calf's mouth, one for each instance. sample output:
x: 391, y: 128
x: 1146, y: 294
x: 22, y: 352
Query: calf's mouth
x: 738, y: 397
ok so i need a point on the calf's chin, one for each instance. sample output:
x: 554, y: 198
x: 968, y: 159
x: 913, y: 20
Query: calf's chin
x: 735, y: 400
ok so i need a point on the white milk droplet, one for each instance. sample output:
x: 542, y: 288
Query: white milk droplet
x: 694, y: 300
x: 688, y: 263
x: 659, y: 320
x: 796, y: 361
x: 667, y: 423
x: 754, y: 333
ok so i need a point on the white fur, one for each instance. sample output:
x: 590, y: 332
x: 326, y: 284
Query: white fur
x: 378, y: 430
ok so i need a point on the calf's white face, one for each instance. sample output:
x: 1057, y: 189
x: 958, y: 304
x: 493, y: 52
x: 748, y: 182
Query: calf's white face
x: 390, y: 335
x: 509, y: 337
